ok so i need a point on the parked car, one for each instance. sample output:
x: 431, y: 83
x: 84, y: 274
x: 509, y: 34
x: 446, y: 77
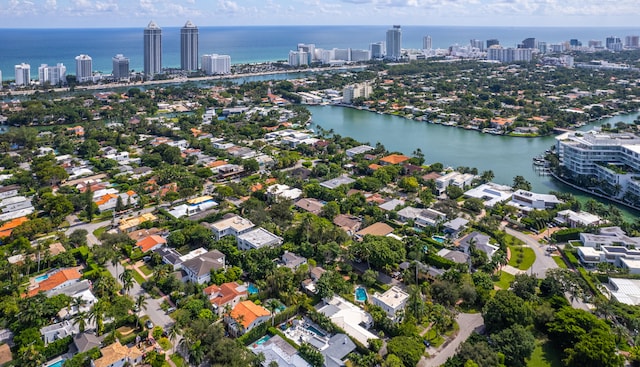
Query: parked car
x: 149, y: 324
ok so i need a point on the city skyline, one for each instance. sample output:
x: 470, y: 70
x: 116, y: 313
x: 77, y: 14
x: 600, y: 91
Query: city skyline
x: 100, y: 14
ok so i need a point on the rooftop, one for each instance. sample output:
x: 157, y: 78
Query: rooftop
x: 249, y: 312
x: 236, y: 222
x: 394, y: 159
x: 376, y: 229
x: 394, y: 297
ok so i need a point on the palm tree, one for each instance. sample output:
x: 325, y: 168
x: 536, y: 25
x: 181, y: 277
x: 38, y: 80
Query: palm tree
x: 141, y: 302
x: 96, y: 314
x: 30, y: 356
x: 80, y: 320
x: 272, y: 306
x: 173, y: 333
x: 126, y: 277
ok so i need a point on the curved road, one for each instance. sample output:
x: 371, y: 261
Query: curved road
x: 543, y: 262
x: 468, y: 322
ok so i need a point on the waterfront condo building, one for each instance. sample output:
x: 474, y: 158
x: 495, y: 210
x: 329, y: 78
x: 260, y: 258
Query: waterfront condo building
x: 394, y: 43
x: 189, y: 47
x: 152, y: 49
x: 52, y: 75
x: 216, y: 64
x: 298, y: 58
x: 606, y: 160
x: 426, y: 43
x: 23, y: 74
x: 120, y: 67
x: 84, y: 68
x: 310, y: 49
x: 377, y: 50
x: 497, y: 53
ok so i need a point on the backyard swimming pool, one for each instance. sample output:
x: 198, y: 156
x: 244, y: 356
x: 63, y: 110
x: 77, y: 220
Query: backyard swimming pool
x: 262, y: 340
x: 57, y: 363
x: 438, y: 238
x: 252, y: 289
x: 361, y: 294
x: 42, y: 277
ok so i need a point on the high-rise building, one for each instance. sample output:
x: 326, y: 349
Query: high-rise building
x: 152, y: 49
x: 53, y: 75
x: 426, y: 43
x: 310, y: 49
x: 595, y: 43
x: 613, y: 43
x: 343, y: 54
x: 574, y: 42
x: 23, y: 74
x: 377, y: 50
x: 189, y: 47
x: 120, y: 67
x: 497, y: 53
x: 0, y: 79
x: 298, y: 58
x: 492, y: 42
x: 479, y: 44
x: 360, y: 55
x: 394, y: 43
x: 529, y: 43
x: 84, y: 68
x: 216, y: 64
x: 632, y: 41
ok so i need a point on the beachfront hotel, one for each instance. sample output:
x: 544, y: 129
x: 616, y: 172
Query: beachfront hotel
x: 152, y: 49
x: 609, y: 158
x: 216, y: 64
x: 23, y: 74
x: 84, y: 68
x: 189, y: 47
x: 120, y: 67
x: 394, y: 43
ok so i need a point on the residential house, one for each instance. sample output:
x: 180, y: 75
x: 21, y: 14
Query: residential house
x: 455, y: 226
x: 245, y: 316
x: 131, y: 224
x: 421, y: 217
x: 292, y: 261
x: 480, y: 241
x: 457, y: 257
x: 625, y: 291
x: 348, y: 223
x: 337, y: 182
x: 226, y: 295
x: 573, y: 219
x: 231, y: 226
x: 170, y: 257
x: 527, y: 201
x: 58, y: 331
x: 337, y: 349
x: 609, y: 236
x: 314, y: 275
x: 361, y: 149
x: 7, y: 228
x: 198, y: 269
x: 490, y: 193
x: 284, y: 192
x: 392, y: 301
x: 150, y: 243
x: 391, y: 204
x: 258, y: 238
x: 350, y: 318
x: 84, y: 342
x: 59, y: 279
x: 117, y: 355
x: 376, y: 229
x: 455, y: 178
x: 393, y: 159
x: 310, y: 205
x: 279, y: 351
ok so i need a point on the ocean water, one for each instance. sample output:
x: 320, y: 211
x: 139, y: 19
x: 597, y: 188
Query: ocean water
x: 248, y: 44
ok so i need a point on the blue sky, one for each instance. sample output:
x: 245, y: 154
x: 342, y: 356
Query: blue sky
x: 137, y: 13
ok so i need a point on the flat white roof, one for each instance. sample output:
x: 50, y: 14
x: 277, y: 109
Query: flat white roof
x: 491, y: 193
x: 236, y: 222
x: 393, y: 297
x: 626, y: 290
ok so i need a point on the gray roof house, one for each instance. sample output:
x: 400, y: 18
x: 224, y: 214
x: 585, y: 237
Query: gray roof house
x: 455, y: 226
x: 480, y: 241
x: 57, y: 331
x: 86, y: 341
x: 198, y: 269
x: 340, y: 345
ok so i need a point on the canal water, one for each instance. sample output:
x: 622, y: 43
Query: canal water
x: 505, y: 156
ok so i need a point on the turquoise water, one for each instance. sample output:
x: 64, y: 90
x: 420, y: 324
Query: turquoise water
x: 263, y: 340
x: 314, y: 330
x: 439, y: 239
x: 252, y: 289
x: 57, y: 364
x: 361, y: 294
x: 42, y: 277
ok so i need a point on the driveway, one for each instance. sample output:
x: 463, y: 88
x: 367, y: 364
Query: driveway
x: 468, y: 322
x: 543, y: 262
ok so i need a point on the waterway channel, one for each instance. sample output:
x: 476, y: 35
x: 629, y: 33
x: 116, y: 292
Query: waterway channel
x: 505, y: 156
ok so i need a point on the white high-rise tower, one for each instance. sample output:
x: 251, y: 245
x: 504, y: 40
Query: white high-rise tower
x: 23, y: 74
x: 189, y: 47
x: 84, y: 68
x: 152, y: 49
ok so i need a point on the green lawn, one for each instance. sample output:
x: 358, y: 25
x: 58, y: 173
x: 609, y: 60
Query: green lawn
x: 529, y: 257
x: 505, y: 280
x: 99, y: 231
x: 560, y: 261
x: 145, y: 270
x: 436, y: 340
x: 178, y: 360
x: 138, y: 278
x: 544, y: 355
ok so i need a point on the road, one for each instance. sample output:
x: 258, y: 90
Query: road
x: 468, y: 322
x: 543, y: 261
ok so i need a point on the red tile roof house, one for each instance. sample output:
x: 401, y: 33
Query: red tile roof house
x: 150, y: 243
x: 227, y: 294
x: 246, y: 316
x: 57, y: 280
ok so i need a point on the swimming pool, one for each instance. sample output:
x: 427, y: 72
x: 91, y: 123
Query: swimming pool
x: 252, y: 289
x: 57, y: 363
x: 438, y: 238
x: 361, y: 294
x: 262, y: 340
x: 314, y: 330
x: 42, y: 277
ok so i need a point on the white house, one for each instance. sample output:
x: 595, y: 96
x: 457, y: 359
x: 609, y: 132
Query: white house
x: 351, y: 318
x: 573, y: 219
x: 257, y: 238
x: 231, y: 226
x: 527, y: 200
x: 198, y: 269
x: 392, y: 301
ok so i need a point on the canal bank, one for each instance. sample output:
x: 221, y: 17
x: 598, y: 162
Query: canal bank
x: 505, y: 156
